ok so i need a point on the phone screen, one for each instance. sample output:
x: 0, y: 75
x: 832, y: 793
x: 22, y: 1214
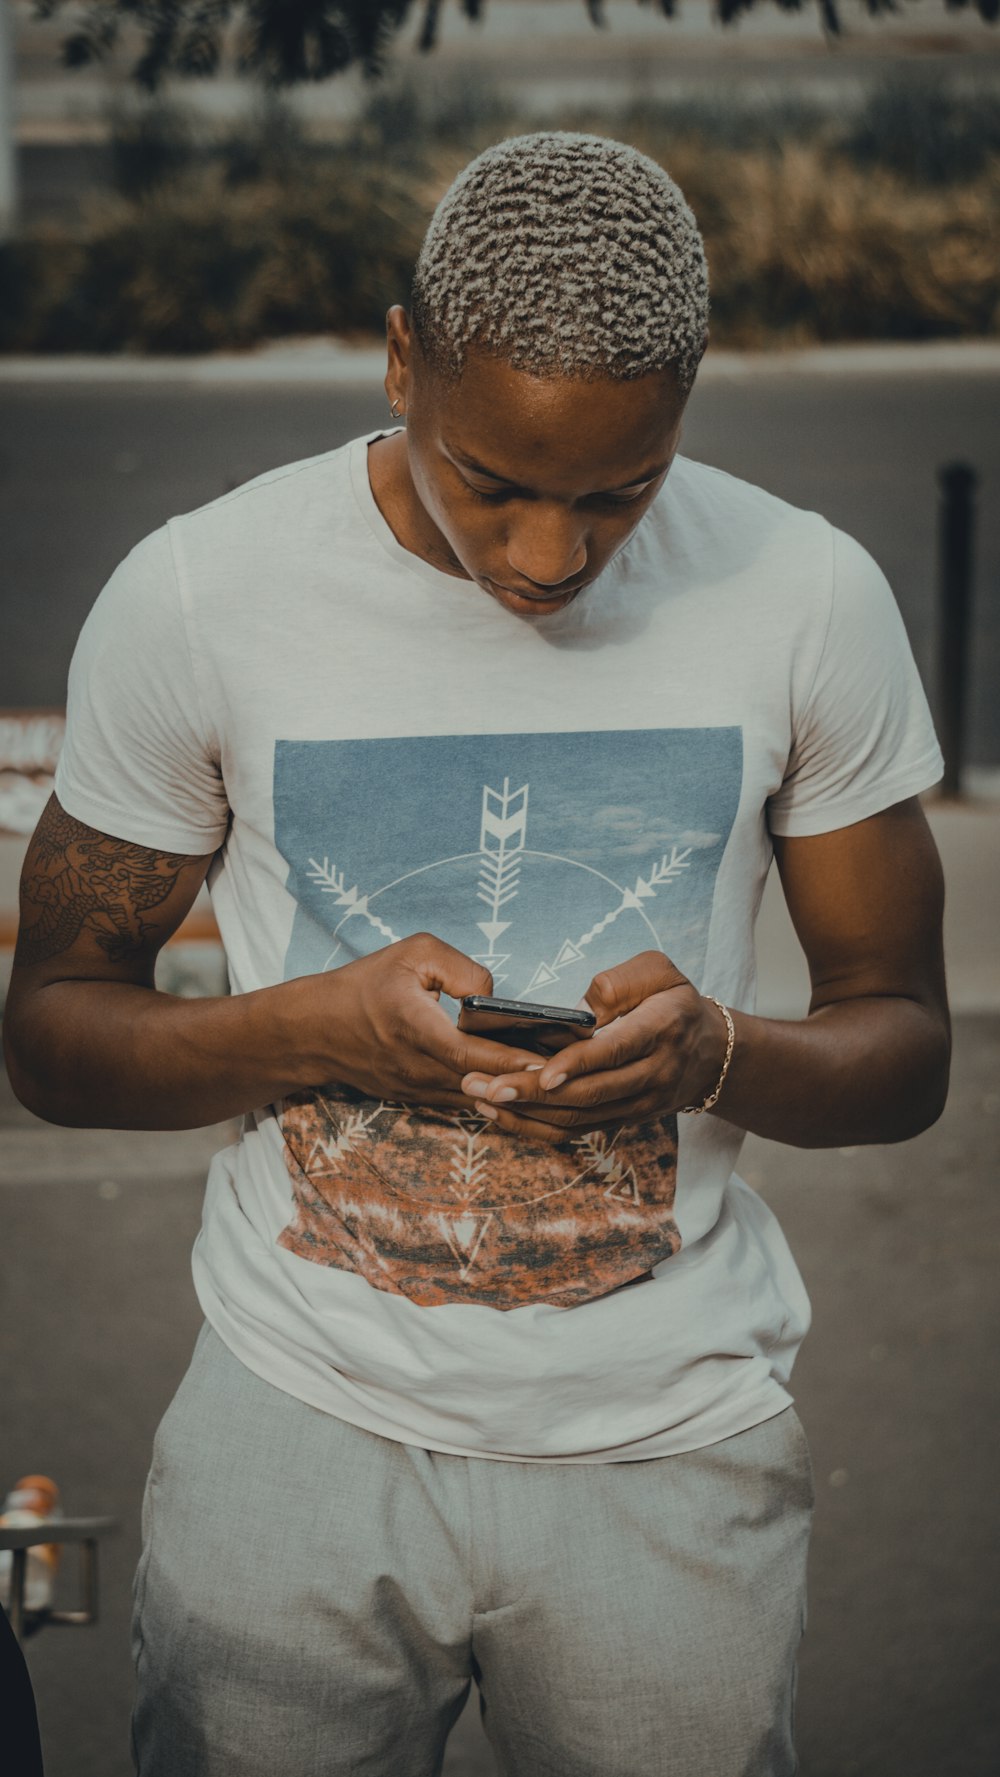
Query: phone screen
x: 522, y: 1023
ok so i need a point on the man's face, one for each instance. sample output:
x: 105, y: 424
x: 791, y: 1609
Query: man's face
x: 529, y: 485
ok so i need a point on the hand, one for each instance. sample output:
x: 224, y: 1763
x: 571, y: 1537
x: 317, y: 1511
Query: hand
x: 658, y: 1046
x: 384, y: 1031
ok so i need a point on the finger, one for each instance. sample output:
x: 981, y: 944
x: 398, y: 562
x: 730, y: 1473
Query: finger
x: 434, y: 1099
x: 525, y: 1128
x: 434, y: 1035
x: 631, y: 1038
x: 429, y: 1097
x: 660, y: 1023
x: 606, y: 1087
x: 484, y: 1059
x: 536, y: 1125
x: 611, y: 1049
x: 619, y: 990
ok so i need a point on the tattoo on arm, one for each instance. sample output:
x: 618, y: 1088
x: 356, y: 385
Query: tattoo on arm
x: 83, y: 880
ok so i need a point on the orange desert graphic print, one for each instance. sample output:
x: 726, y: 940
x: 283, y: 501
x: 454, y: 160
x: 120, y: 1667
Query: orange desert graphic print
x: 547, y: 857
x: 452, y: 1210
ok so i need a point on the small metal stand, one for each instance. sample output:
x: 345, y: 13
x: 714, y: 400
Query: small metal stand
x: 86, y: 1532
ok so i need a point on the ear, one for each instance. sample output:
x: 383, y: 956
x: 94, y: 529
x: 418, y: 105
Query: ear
x: 400, y: 344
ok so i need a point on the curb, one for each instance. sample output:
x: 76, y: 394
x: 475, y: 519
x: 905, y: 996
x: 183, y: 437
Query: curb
x: 332, y: 363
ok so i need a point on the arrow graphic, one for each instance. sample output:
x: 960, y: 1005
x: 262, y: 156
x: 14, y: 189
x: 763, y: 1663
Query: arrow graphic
x: 464, y: 1235
x: 332, y: 882
x: 622, y: 1182
x: 669, y: 867
x: 354, y: 1129
x: 502, y: 835
x: 469, y: 1161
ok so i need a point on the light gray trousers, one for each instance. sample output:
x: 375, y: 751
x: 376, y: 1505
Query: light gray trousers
x: 313, y: 1600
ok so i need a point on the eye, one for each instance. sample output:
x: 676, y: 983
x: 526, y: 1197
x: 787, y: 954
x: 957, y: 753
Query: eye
x: 496, y: 496
x: 619, y: 499
x: 493, y: 497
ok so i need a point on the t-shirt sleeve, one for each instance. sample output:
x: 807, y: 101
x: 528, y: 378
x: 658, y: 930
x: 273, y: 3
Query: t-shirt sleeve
x: 863, y: 736
x: 139, y: 760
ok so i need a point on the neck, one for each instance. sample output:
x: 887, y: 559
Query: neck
x: 396, y: 498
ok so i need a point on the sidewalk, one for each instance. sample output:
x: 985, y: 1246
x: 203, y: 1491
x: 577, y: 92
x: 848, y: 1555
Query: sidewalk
x: 331, y: 361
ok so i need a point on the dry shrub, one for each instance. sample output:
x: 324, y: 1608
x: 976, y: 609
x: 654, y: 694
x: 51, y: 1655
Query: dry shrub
x: 802, y: 246
x: 202, y: 264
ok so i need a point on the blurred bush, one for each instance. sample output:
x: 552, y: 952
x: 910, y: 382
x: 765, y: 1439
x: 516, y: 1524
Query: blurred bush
x: 927, y: 133
x: 880, y: 225
x: 208, y: 264
x: 402, y: 118
x: 802, y: 247
x: 149, y: 145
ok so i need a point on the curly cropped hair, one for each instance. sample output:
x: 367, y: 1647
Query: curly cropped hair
x: 563, y: 254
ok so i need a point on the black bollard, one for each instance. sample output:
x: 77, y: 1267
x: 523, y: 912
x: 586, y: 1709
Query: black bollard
x: 957, y: 482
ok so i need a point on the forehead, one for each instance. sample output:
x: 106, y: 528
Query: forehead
x: 556, y: 430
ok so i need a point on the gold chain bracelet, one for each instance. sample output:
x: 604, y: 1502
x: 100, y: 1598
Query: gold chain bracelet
x: 695, y: 1110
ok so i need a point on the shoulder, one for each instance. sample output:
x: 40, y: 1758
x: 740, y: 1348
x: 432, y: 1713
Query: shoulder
x: 699, y: 495
x: 277, y: 536
x: 725, y: 539
x: 793, y: 557
x: 285, y: 489
x: 738, y: 513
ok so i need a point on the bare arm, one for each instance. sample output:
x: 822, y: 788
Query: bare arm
x: 95, y: 912
x: 89, y: 1041
x: 869, y: 1063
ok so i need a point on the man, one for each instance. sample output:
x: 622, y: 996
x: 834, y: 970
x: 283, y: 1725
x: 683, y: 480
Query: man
x: 511, y: 698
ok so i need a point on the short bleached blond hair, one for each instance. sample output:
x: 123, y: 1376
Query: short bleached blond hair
x: 563, y: 254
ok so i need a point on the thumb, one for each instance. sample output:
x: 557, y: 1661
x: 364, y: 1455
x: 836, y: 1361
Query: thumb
x: 440, y: 968
x: 616, y: 991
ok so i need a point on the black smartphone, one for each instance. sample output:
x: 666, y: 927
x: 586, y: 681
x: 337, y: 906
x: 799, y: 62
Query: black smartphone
x: 523, y: 1023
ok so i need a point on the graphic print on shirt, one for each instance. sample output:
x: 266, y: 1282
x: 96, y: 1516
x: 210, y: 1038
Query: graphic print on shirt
x: 547, y: 857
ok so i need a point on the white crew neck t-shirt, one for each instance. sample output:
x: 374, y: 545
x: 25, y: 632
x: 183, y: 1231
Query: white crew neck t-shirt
x: 374, y: 748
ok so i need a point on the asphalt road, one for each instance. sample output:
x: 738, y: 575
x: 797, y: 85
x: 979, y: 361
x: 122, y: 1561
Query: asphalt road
x: 86, y: 469
x: 897, y: 1385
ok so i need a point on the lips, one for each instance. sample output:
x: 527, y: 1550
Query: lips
x: 532, y: 596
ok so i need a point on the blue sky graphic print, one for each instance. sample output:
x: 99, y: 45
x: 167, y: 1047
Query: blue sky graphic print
x: 546, y: 856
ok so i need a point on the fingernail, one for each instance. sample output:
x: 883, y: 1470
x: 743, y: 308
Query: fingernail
x: 505, y: 1094
x: 487, y: 1110
x: 533, y: 1067
x: 475, y: 1085
x: 554, y: 1084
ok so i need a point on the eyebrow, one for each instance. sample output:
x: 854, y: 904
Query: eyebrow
x: 468, y: 462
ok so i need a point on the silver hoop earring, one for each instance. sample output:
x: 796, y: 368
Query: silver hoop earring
x: 395, y: 410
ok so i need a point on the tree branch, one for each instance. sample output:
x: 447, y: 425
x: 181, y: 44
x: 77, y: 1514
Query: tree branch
x: 286, y: 42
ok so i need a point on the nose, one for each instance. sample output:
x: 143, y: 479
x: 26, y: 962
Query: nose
x: 546, y: 546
